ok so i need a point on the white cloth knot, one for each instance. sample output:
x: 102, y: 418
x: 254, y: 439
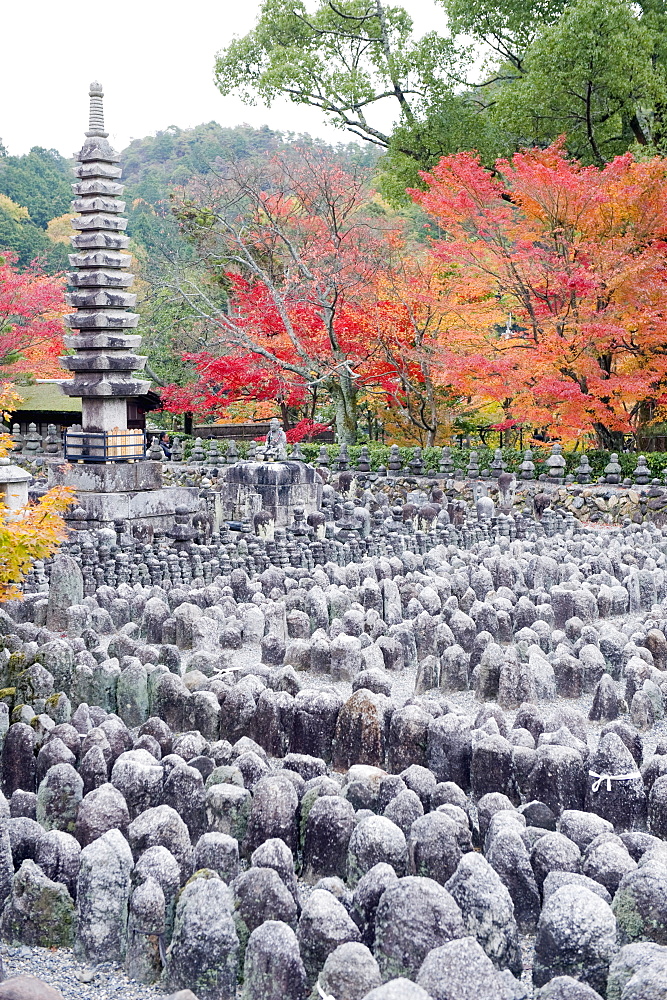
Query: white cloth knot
x: 611, y: 777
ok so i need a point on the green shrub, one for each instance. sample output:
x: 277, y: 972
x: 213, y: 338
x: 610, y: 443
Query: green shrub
x: 379, y: 455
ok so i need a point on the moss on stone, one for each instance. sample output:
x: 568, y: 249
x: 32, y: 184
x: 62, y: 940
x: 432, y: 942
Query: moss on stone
x: 7, y: 696
x: 630, y: 921
x: 39, y: 913
x: 16, y: 714
x: 16, y: 665
x: 200, y: 873
x: 307, y: 803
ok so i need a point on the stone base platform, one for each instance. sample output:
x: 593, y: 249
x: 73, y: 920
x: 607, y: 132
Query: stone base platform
x: 130, y: 491
x: 114, y: 477
x: 276, y: 487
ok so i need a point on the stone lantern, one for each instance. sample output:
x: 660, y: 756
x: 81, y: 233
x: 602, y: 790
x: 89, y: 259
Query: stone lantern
x: 13, y: 487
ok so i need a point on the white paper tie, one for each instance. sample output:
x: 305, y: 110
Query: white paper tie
x: 325, y: 996
x: 611, y: 777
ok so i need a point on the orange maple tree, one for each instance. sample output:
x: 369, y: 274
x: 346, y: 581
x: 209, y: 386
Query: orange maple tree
x: 558, y: 273
x: 411, y: 312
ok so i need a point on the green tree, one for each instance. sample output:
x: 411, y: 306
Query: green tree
x: 592, y: 69
x: 593, y: 76
x: 506, y: 28
x: 451, y: 123
x: 168, y: 327
x: 346, y: 59
x: 40, y: 180
x: 29, y: 242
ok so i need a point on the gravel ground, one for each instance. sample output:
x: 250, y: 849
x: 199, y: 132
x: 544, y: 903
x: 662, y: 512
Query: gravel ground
x: 59, y: 969
x: 527, y: 950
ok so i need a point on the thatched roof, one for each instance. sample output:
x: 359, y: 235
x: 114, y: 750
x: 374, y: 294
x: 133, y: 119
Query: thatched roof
x: 46, y: 396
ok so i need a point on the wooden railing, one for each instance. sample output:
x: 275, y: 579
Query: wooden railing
x: 115, y: 445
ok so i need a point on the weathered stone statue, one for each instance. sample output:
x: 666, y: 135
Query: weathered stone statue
x: 275, y: 445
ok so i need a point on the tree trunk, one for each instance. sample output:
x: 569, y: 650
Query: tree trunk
x: 432, y: 423
x: 344, y: 393
x: 609, y: 440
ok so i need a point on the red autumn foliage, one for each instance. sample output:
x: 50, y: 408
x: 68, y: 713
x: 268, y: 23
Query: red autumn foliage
x: 299, y: 258
x: 305, y: 430
x: 31, y: 326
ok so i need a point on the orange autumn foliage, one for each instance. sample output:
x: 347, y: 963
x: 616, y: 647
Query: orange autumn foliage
x: 33, y: 532
x: 413, y: 313
x: 559, y: 273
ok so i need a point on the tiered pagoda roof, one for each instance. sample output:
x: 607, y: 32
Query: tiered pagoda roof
x: 104, y: 361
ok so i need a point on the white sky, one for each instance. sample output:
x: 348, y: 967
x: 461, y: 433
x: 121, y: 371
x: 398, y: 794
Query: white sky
x: 154, y: 59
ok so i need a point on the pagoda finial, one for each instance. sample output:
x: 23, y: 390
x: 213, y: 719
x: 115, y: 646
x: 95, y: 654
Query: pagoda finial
x: 96, y: 119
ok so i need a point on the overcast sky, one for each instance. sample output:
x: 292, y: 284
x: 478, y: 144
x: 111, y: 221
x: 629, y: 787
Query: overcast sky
x: 154, y: 59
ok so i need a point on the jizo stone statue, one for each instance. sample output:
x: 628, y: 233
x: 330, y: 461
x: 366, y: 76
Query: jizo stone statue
x: 275, y: 445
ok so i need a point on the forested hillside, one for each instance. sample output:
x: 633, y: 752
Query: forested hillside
x: 34, y: 189
x: 154, y: 166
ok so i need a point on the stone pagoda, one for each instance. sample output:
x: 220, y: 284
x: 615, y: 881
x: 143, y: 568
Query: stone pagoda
x: 105, y: 461
x: 104, y: 360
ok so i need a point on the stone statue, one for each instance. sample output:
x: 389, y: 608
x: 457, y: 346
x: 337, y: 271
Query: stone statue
x: 275, y: 445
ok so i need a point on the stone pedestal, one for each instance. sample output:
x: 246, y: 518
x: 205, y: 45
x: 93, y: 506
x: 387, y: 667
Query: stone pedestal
x: 114, y: 477
x: 132, y: 491
x: 280, y: 486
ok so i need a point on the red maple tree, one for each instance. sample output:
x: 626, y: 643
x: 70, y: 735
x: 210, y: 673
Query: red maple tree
x: 32, y: 305
x: 293, y: 245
